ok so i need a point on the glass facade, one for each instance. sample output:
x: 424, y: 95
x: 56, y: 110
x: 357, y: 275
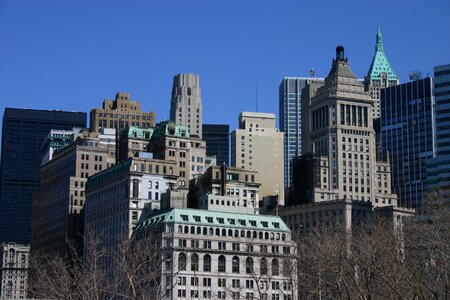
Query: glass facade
x: 438, y: 171
x: 407, y: 133
x: 290, y: 120
x: 23, y: 133
x: 217, y: 138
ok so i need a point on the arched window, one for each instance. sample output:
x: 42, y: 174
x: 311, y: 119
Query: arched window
x: 228, y: 203
x: 207, y: 263
x: 249, y: 265
x: 182, y: 261
x: 211, y: 231
x: 221, y: 264
x: 249, y: 234
x: 168, y: 261
x: 230, y: 232
x: 254, y: 234
x: 260, y: 235
x: 186, y: 229
x: 217, y: 231
x: 236, y: 233
x: 275, y: 267
x: 180, y: 229
x: 235, y: 264
x: 263, y: 266
x: 194, y: 262
x: 224, y: 232
x: 266, y: 235
x: 242, y: 233
x: 199, y: 230
x: 205, y: 231
x: 283, y: 237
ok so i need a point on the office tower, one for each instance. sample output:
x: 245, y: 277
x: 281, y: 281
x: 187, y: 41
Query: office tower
x: 116, y: 197
x: 56, y: 139
x: 173, y: 142
x: 438, y: 168
x: 407, y: 133
x: 120, y: 113
x: 134, y: 142
x: 227, y: 189
x: 217, y: 139
x: 58, y: 206
x: 380, y: 75
x: 258, y: 145
x: 13, y: 270
x: 23, y: 132
x: 290, y: 109
x: 343, y: 140
x: 186, y: 102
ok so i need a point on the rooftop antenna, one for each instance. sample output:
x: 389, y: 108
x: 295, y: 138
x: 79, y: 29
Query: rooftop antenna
x: 415, y: 75
x: 312, y: 72
x: 256, y: 96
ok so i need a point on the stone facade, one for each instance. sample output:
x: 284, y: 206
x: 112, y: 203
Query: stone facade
x: 120, y: 113
x: 186, y: 102
x: 258, y: 145
x: 13, y: 270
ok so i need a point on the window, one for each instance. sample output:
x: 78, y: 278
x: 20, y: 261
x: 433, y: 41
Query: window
x: 275, y: 267
x: 235, y: 265
x: 221, y: 264
x: 194, y: 262
x: 249, y: 265
x: 182, y: 261
x: 263, y: 266
x: 207, y: 263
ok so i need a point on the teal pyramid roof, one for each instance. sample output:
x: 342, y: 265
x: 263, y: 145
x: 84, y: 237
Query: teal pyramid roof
x: 380, y: 63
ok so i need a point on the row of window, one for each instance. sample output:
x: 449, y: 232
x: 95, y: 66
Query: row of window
x: 230, y: 233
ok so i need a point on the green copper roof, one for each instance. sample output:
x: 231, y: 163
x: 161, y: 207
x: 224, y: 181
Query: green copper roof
x: 109, y: 174
x: 380, y: 63
x: 203, y: 217
x: 170, y: 128
x: 141, y: 133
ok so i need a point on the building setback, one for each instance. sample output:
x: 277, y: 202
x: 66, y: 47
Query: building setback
x: 217, y: 139
x: 408, y: 140
x: 186, y: 102
x: 258, y: 145
x: 23, y: 132
x: 290, y: 109
x: 58, y: 206
x: 13, y: 270
x: 120, y: 113
x: 438, y: 169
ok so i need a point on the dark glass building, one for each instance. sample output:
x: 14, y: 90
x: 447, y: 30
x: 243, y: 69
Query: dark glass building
x: 23, y: 132
x: 217, y: 138
x: 407, y: 134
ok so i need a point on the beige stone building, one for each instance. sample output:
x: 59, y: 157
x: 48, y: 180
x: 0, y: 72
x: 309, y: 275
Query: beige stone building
x: 186, y: 102
x: 258, y: 145
x: 57, y: 207
x: 120, y: 113
x: 172, y: 142
x: 14, y: 270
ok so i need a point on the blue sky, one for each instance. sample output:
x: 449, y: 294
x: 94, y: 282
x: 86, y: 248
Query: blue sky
x: 70, y: 55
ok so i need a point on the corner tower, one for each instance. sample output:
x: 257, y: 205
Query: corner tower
x: 380, y: 74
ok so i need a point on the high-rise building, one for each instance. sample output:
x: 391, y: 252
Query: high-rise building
x: 120, y: 113
x: 13, y: 270
x: 56, y: 139
x: 342, y: 139
x: 380, y: 75
x: 186, y: 102
x: 173, y: 142
x: 57, y: 207
x: 23, y: 132
x: 217, y: 139
x: 438, y: 169
x: 290, y: 109
x: 258, y: 145
x: 407, y: 133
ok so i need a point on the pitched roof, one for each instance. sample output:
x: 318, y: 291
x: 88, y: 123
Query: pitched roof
x: 380, y: 63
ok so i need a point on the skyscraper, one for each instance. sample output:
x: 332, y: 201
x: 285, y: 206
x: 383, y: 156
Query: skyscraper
x: 23, y: 133
x: 407, y: 133
x: 217, y: 138
x: 258, y: 145
x: 438, y: 169
x: 380, y: 74
x: 120, y: 113
x: 291, y: 120
x: 186, y: 102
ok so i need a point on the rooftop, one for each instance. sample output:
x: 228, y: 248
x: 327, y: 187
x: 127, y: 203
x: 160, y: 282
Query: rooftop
x: 380, y: 63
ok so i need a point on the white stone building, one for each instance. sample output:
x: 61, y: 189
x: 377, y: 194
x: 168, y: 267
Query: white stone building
x: 13, y: 270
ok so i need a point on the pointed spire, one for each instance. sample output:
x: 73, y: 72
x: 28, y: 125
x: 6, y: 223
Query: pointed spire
x: 379, y: 43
